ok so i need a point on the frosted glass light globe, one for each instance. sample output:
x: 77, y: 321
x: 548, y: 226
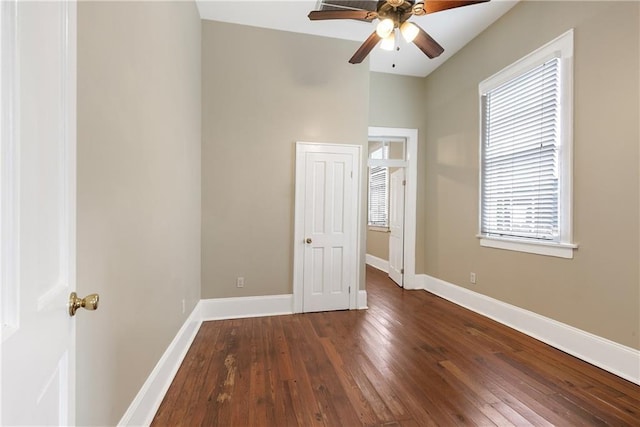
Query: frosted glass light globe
x: 385, y: 27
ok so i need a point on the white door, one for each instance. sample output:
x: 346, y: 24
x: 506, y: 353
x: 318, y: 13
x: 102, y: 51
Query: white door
x: 396, y: 226
x: 327, y: 181
x: 38, y: 212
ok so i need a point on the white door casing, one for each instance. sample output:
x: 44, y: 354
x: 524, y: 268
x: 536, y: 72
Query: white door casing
x: 396, y: 226
x: 38, y: 212
x: 326, y: 227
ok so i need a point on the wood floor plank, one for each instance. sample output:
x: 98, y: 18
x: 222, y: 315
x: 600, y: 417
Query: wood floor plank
x: 400, y: 394
x: 369, y: 408
x: 411, y: 359
x: 306, y: 407
x: 483, y: 398
x: 322, y: 379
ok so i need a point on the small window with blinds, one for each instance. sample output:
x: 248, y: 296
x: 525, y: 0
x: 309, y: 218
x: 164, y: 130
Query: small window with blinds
x: 525, y: 200
x: 379, y: 190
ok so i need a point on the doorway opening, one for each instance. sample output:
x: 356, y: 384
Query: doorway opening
x: 391, y: 206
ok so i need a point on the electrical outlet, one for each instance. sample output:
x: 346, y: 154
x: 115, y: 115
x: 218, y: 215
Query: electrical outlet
x: 240, y: 282
x: 472, y: 278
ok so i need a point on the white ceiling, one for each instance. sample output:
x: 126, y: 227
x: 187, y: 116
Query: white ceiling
x: 452, y: 28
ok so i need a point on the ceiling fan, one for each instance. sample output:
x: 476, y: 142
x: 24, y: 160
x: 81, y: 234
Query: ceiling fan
x: 392, y: 14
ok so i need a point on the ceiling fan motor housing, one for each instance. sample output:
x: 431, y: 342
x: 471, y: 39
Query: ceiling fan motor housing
x: 396, y: 10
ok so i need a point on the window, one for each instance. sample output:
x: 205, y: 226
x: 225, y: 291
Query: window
x: 526, y: 122
x: 379, y: 190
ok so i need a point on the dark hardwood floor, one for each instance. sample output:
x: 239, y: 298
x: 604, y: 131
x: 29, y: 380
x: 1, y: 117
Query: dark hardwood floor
x: 411, y: 359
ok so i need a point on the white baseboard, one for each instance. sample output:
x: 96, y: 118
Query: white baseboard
x: 379, y: 263
x: 414, y: 282
x: 362, y: 300
x: 240, y: 307
x: 148, y: 400
x: 613, y: 357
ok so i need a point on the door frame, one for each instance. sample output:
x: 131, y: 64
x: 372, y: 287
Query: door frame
x: 298, y: 239
x: 410, y: 203
x: 9, y: 171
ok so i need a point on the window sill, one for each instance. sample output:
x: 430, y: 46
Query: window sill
x: 379, y: 229
x: 560, y: 250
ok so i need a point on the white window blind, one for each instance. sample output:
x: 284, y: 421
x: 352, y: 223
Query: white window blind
x: 379, y: 196
x: 379, y: 189
x: 520, y: 152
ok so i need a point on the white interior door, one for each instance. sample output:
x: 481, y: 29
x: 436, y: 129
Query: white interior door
x: 38, y: 212
x: 327, y: 179
x: 396, y: 226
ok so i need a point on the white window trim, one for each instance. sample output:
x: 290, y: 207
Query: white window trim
x: 539, y: 247
x: 379, y: 229
x: 390, y: 163
x: 562, y: 48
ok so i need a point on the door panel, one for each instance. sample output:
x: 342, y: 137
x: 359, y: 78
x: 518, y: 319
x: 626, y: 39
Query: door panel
x: 326, y: 211
x: 38, y: 340
x: 396, y: 226
x: 329, y: 227
x: 317, y: 208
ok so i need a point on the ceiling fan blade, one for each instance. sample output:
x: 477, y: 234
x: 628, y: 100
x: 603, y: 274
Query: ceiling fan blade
x: 365, y: 48
x: 432, y: 6
x: 427, y: 44
x: 363, y: 15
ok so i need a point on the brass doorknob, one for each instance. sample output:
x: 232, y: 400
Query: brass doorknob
x: 90, y: 302
x: 308, y: 240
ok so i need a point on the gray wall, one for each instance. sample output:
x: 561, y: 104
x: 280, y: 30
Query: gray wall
x: 399, y: 101
x: 599, y: 290
x: 138, y: 193
x: 263, y: 90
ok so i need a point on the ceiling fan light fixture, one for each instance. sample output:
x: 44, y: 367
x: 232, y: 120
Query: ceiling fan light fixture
x: 391, y: 14
x: 385, y: 27
x: 409, y: 31
x: 389, y: 42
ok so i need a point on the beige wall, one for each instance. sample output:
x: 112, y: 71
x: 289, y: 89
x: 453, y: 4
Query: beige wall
x: 399, y: 101
x: 263, y: 90
x: 378, y: 244
x: 138, y: 193
x: 599, y: 290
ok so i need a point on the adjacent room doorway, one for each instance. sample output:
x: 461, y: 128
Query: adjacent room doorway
x: 392, y: 193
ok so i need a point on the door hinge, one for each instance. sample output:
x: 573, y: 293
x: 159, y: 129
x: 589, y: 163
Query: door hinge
x: 404, y: 182
x: 351, y: 174
x: 349, y: 289
x: 402, y: 271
